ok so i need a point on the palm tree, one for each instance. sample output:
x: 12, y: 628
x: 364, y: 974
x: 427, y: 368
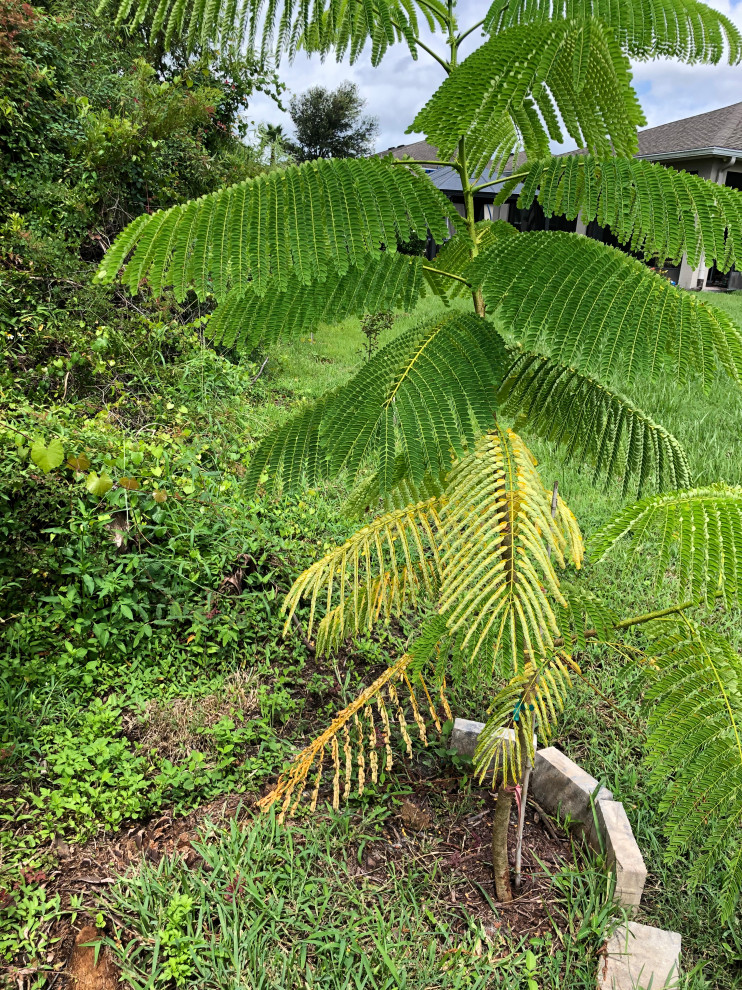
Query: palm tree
x: 272, y: 136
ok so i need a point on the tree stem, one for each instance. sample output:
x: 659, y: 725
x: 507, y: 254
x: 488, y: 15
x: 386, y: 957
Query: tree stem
x: 466, y: 187
x: 523, y: 797
x: 500, y: 864
x: 439, y: 271
x: 465, y: 34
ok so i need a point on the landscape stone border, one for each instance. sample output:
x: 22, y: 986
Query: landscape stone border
x: 640, y: 956
x: 637, y: 956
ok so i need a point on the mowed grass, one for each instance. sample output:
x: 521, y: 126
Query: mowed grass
x: 603, y: 725
x: 293, y: 908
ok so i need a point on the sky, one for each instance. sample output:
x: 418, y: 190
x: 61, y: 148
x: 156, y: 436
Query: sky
x: 396, y: 90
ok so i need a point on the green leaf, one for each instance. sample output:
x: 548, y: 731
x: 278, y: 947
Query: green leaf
x: 47, y: 457
x: 658, y: 211
x: 431, y: 391
x: 271, y: 26
x: 703, y: 526
x: 694, y: 744
x: 517, y: 90
x: 301, y: 225
x: 682, y: 29
x: 385, y: 280
x: 455, y: 257
x: 591, y: 422
x: 592, y: 307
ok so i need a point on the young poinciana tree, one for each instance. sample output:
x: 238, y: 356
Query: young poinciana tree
x: 557, y: 324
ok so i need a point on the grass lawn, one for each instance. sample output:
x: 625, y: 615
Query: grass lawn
x: 317, y: 903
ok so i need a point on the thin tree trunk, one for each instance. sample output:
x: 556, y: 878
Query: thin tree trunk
x: 525, y: 778
x: 500, y: 864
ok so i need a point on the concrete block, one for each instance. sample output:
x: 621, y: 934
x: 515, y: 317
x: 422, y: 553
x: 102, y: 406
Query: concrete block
x: 639, y: 957
x: 465, y: 736
x: 562, y: 788
x: 622, y: 852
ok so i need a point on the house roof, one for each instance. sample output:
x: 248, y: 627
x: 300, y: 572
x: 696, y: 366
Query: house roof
x: 449, y: 180
x: 714, y: 132
x: 421, y: 151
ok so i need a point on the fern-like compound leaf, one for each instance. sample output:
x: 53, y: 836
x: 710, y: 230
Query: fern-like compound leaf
x: 500, y: 545
x: 695, y: 742
x: 380, y: 570
x: 524, y: 76
x: 302, y: 225
x: 701, y: 527
x: 387, y: 280
x: 527, y: 705
x: 359, y: 738
x: 293, y: 452
x: 586, y: 617
x: 592, y: 423
x: 281, y: 28
x: 682, y: 29
x: 456, y: 254
x: 399, y: 491
x: 431, y: 388
x: 429, y: 392
x: 591, y: 306
x: 658, y: 211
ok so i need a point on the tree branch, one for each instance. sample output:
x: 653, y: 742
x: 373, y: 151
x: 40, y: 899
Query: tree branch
x: 468, y: 31
x: 513, y: 175
x: 438, y: 271
x: 441, y: 61
x: 420, y: 161
x: 638, y: 620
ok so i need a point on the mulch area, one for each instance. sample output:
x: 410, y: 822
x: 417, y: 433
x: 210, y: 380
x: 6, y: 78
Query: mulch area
x: 428, y: 830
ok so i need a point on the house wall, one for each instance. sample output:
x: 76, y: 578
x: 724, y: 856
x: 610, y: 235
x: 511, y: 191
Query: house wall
x: 713, y: 170
x: 719, y: 170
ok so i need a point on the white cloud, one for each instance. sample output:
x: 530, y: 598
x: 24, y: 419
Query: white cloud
x: 396, y: 90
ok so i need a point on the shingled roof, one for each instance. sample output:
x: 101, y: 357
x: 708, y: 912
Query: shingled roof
x: 713, y: 131
x: 716, y: 129
x: 421, y: 151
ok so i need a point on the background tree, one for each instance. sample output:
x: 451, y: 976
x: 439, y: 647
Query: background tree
x: 273, y: 138
x: 330, y: 124
x: 558, y: 323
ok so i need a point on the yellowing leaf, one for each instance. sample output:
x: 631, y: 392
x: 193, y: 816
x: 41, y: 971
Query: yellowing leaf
x: 98, y: 484
x: 160, y: 497
x: 130, y: 484
x: 79, y: 463
x: 49, y: 457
